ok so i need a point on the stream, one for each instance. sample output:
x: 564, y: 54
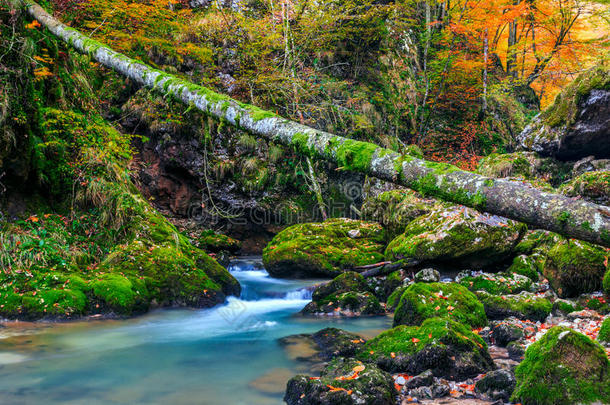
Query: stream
x: 225, y: 355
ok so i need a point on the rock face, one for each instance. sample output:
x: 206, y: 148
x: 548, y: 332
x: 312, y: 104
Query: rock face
x: 563, y: 367
x: 324, y: 249
x: 344, y: 381
x: 426, y: 300
x: 457, y: 235
x: 328, y: 343
x: 497, y: 384
x: 347, y: 294
x: 446, y: 347
x: 578, y: 123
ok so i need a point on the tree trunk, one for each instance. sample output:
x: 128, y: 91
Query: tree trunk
x: 570, y: 217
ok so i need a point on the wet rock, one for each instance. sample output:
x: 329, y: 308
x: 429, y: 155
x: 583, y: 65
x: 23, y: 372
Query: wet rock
x: 584, y: 314
x: 424, y: 379
x: 421, y: 393
x: 497, y: 384
x: 578, y: 122
x: 324, y: 345
x: 390, y: 284
x: 503, y: 333
x: 524, y: 306
x: 516, y: 350
x: 372, y: 386
x: 447, y: 348
x: 347, y: 294
x: 574, y: 267
x: 440, y: 390
x: 421, y: 301
x: 428, y: 275
x: 458, y: 235
x: 563, y: 367
x: 323, y: 249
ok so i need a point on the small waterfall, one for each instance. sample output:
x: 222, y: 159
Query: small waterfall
x: 300, y: 294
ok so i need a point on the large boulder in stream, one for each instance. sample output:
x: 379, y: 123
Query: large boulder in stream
x: 578, y: 122
x: 347, y: 294
x: 324, y: 249
x: 458, y: 235
x: 343, y: 382
x: 448, y: 348
x: 563, y: 367
x: 421, y: 301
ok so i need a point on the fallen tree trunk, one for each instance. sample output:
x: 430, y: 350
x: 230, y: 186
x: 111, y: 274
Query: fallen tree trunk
x: 570, y: 217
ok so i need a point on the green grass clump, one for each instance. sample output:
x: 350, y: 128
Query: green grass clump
x: 563, y: 367
x: 428, y: 300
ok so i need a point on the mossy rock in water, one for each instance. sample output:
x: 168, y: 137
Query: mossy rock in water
x: 457, y: 235
x: 446, y: 347
x: 604, y: 331
x: 576, y: 124
x: 347, y: 294
x: 591, y: 186
x: 394, y: 209
x: 428, y: 300
x: 574, y: 267
x: 497, y: 283
x: 211, y: 241
x: 563, y: 367
x: 524, y: 306
x: 522, y: 165
x: 174, y: 277
x: 338, y: 384
x: 528, y: 266
x: 324, y: 249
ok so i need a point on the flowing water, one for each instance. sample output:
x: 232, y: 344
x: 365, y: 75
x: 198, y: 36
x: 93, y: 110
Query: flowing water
x: 224, y: 355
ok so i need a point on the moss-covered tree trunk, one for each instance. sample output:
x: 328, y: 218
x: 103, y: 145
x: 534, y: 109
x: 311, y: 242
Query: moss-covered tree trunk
x: 570, y: 217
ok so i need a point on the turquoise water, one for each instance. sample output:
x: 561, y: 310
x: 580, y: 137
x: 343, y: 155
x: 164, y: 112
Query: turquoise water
x: 225, y: 355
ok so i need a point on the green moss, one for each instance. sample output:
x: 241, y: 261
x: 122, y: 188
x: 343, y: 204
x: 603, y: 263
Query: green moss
x: 498, y: 283
x: 325, y: 248
x: 121, y: 294
x: 456, y: 234
x: 604, y: 331
x: 606, y: 283
x: 523, y: 306
x: 404, y: 339
x: 563, y: 367
x: 592, y: 186
x: 354, y: 155
x: 427, y: 300
x: 528, y: 266
x: 211, y: 241
x: 574, y: 267
x: 394, y: 298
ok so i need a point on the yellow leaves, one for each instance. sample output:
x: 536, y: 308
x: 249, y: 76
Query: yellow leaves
x: 359, y: 368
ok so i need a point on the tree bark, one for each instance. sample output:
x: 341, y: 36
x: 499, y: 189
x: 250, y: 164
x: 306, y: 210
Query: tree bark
x: 557, y: 213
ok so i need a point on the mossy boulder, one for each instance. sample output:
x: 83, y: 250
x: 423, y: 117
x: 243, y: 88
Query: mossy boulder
x: 537, y: 241
x: 522, y: 165
x: 574, y: 267
x: 563, y: 367
x: 421, y: 301
x: 394, y: 298
x: 345, y: 382
x: 577, y: 124
x: 606, y: 283
x: 604, y: 331
x: 394, y: 209
x: 324, y: 249
x: 591, y: 186
x: 524, y: 306
x: 448, y: 348
x: 497, y: 283
x: 347, y: 294
x: 457, y: 235
x: 529, y: 266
